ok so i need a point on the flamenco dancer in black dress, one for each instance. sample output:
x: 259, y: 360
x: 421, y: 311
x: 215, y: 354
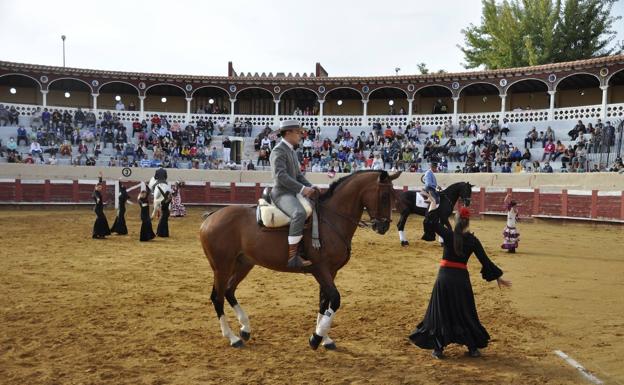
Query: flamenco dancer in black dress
x: 100, y: 227
x: 451, y: 316
x: 147, y: 233
x: 119, y: 226
x: 163, y: 224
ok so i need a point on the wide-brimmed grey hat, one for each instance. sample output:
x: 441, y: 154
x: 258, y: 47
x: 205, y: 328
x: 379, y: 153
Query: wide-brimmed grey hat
x: 290, y: 124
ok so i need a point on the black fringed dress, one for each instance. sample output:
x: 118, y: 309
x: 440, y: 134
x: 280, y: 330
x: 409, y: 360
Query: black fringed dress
x: 451, y: 316
x: 147, y: 233
x: 100, y: 227
x: 119, y: 226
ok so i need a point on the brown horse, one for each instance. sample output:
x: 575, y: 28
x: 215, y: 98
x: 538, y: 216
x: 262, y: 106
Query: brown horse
x: 234, y: 243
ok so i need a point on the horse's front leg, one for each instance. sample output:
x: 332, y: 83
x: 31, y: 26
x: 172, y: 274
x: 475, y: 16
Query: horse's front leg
x: 332, y: 296
x: 327, y: 342
x: 401, y: 226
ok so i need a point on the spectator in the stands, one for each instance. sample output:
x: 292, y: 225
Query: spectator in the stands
x: 549, y: 150
x: 36, y: 150
x: 22, y: 135
x: 4, y: 115
x: 531, y: 137
x: 119, y: 106
x: 13, y: 116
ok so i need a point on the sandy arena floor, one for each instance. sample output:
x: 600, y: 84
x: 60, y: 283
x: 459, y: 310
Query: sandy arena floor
x: 79, y: 311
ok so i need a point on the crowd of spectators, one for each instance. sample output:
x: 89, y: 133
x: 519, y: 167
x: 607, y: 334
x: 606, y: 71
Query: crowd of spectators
x: 476, y: 146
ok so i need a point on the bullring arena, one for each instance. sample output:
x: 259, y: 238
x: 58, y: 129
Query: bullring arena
x: 76, y: 310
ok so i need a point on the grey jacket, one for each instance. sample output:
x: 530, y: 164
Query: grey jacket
x: 286, y: 172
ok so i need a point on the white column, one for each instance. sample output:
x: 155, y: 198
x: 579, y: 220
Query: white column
x: 321, y: 102
x: 142, y: 106
x: 605, y: 93
x: 45, y: 97
x: 232, y: 103
x: 95, y: 96
x: 551, y: 109
x: 502, y: 112
x: 410, y: 106
x: 364, y: 109
x: 276, y: 118
x: 188, y: 110
x: 455, y: 114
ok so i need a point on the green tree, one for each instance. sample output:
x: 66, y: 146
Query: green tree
x: 530, y: 32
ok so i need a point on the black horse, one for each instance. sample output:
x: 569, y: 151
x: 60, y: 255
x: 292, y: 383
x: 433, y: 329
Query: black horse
x: 448, y: 199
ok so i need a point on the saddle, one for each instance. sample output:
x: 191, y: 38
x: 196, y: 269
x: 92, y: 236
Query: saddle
x: 269, y: 215
x: 421, y: 201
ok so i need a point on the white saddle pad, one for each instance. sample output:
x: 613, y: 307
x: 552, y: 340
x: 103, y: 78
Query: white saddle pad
x: 270, y: 216
x: 420, y: 201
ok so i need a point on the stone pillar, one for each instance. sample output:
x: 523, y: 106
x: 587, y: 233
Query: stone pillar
x: 502, y: 112
x: 276, y: 106
x: 410, y: 106
x: 95, y: 96
x: 321, y: 102
x: 605, y: 95
x: 364, y: 110
x: 44, y: 94
x: 455, y: 114
x: 188, y: 110
x: 551, y: 109
x: 232, y: 103
x: 142, y: 106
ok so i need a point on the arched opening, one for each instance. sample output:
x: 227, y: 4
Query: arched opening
x: 299, y: 101
x: 479, y: 97
x: 616, y: 87
x: 210, y: 100
x: 254, y: 101
x: 165, y: 98
x: 20, y: 89
x: 578, y: 90
x: 127, y: 94
x: 387, y: 101
x: 343, y: 101
x: 527, y: 94
x: 69, y: 93
x: 433, y: 100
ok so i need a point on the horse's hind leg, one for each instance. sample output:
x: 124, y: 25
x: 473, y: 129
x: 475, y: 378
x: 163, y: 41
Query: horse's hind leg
x: 240, y: 272
x: 217, y: 297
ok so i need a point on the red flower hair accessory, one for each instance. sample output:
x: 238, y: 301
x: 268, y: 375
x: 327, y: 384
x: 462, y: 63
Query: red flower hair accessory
x: 464, y: 213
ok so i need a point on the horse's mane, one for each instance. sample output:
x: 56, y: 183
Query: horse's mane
x: 332, y: 187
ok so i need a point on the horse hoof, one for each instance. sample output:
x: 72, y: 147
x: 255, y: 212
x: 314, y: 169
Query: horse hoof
x: 330, y: 346
x: 315, y: 341
x: 404, y: 243
x: 238, y: 344
x: 245, y: 335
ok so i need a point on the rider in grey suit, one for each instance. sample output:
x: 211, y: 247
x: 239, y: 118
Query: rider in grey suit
x: 288, y: 182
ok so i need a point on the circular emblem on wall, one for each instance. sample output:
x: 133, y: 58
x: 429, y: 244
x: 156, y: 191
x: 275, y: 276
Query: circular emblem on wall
x: 276, y: 89
x: 604, y: 72
x: 126, y: 171
x: 455, y: 85
x: 365, y: 89
x: 188, y: 87
x: 411, y: 88
x: 232, y: 88
x: 552, y: 78
x: 142, y: 85
x: 321, y: 89
x: 44, y: 79
x: 503, y: 82
x: 95, y: 83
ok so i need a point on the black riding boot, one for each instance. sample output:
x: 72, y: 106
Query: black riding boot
x: 429, y: 232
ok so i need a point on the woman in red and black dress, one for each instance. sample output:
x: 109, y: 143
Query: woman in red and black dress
x: 452, y: 315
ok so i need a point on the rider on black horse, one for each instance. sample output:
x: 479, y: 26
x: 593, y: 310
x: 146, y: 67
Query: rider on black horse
x: 432, y: 189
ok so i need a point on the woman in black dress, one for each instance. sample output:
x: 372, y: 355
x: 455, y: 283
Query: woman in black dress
x: 163, y: 224
x: 451, y: 316
x: 147, y: 233
x: 100, y: 227
x: 119, y: 226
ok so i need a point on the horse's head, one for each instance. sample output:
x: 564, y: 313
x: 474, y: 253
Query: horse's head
x: 465, y: 193
x: 377, y: 200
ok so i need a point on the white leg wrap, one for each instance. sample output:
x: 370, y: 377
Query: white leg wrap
x: 326, y: 340
x: 226, y: 331
x: 402, y: 236
x: 242, y: 318
x: 324, y: 324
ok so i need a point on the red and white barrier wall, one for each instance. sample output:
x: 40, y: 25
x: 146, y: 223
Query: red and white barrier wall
x: 546, y: 202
